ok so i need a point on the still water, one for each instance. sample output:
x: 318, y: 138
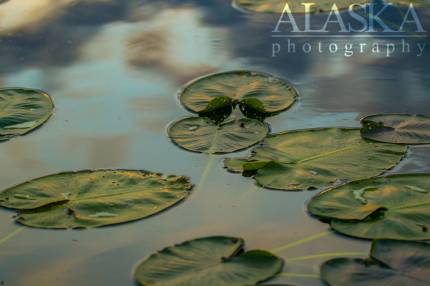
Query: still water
x: 114, y: 68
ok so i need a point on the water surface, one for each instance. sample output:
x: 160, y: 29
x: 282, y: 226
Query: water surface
x: 114, y: 69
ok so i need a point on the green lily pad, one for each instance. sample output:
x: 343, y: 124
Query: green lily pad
x: 391, y: 207
x: 264, y: 92
x: 277, y: 6
x: 93, y: 198
x: 219, y: 109
x: 210, y: 261
x: 397, y: 128
x: 416, y: 3
x: 202, y: 135
x: 391, y: 262
x: 316, y: 158
x: 22, y: 110
x: 253, y: 108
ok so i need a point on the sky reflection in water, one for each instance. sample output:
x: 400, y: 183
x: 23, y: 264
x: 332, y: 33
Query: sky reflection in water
x: 114, y: 69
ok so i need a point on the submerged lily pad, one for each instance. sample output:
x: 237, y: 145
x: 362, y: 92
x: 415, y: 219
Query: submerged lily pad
x: 93, y: 198
x: 260, y: 91
x: 391, y: 207
x: 202, y: 135
x: 316, y: 158
x: 22, y: 110
x: 210, y: 261
x: 391, y: 263
x: 277, y: 6
x: 397, y: 128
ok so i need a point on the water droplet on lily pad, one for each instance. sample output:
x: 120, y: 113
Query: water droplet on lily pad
x: 103, y: 214
x: 23, y: 197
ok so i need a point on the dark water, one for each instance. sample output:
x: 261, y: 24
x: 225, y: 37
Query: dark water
x: 114, y: 69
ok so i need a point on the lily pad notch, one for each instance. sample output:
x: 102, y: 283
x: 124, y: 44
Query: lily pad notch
x: 209, y: 261
x: 257, y: 94
x: 23, y: 110
x: 87, y: 199
x: 202, y: 135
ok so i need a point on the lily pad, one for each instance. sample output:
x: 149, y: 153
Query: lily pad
x: 202, y: 135
x: 210, y: 261
x: 416, y: 3
x: 219, y: 109
x: 277, y: 6
x: 316, y: 158
x: 393, y: 263
x: 397, y: 128
x: 391, y: 207
x: 264, y: 92
x: 93, y: 198
x: 22, y: 110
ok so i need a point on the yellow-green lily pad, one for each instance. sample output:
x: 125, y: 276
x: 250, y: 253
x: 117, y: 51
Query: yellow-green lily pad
x: 415, y: 3
x: 22, y: 110
x: 254, y: 90
x: 277, y: 6
x: 88, y: 199
x: 316, y: 158
x: 408, y: 129
x: 203, y: 135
